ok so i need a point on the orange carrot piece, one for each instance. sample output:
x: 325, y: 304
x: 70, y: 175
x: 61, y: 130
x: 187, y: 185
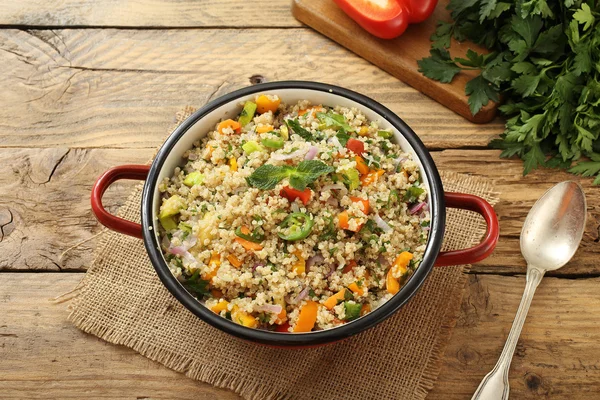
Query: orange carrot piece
x: 248, y: 245
x: 233, y: 260
x: 311, y: 110
x: 361, y: 165
x: 365, y: 203
x: 307, y: 318
x: 229, y: 123
x: 215, y: 261
x: 371, y: 177
x: 220, y: 306
x: 344, y: 222
x: 216, y: 293
x: 332, y: 301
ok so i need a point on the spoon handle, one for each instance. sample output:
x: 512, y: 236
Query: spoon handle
x: 495, y: 384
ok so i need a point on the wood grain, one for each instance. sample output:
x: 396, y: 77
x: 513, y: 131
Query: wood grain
x: 45, y: 207
x: 397, y: 56
x: 121, y: 88
x: 147, y: 13
x: 44, y: 356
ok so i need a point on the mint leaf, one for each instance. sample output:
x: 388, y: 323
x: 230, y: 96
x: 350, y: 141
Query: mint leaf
x: 295, y: 126
x: 307, y: 172
x: 343, y: 138
x: 267, y: 176
x: 480, y: 92
x: 334, y: 121
x: 439, y: 66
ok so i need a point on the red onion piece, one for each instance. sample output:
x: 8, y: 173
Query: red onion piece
x: 312, y: 152
x: 302, y: 295
x: 177, y: 250
x: 283, y: 157
x: 270, y: 308
x: 382, y: 224
x: 257, y: 264
x: 316, y: 259
x: 332, y: 270
x: 165, y: 242
x: 336, y: 142
x: 417, y: 208
x: 333, y: 201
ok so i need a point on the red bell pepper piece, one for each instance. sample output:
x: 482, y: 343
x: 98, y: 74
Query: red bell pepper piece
x: 387, y: 19
x: 292, y: 194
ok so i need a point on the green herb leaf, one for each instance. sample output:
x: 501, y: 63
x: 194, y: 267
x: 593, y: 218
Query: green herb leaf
x: 439, y: 66
x: 412, y: 194
x: 295, y: 126
x: 585, y: 17
x: 267, y: 176
x: 334, y: 121
x: 480, y: 92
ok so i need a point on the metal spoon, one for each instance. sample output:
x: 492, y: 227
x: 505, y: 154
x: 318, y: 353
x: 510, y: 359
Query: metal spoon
x: 551, y: 234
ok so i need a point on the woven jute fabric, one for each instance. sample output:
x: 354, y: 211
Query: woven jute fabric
x: 122, y: 301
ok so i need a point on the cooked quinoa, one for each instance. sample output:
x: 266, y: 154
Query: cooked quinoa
x: 294, y: 217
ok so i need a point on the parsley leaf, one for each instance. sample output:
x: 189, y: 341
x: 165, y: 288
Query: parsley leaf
x: 267, y: 176
x: 439, y: 66
x: 543, y: 59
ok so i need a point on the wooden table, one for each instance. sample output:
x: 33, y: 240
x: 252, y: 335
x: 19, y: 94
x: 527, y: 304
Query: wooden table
x: 89, y: 84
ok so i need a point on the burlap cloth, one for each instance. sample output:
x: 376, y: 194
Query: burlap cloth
x: 122, y: 301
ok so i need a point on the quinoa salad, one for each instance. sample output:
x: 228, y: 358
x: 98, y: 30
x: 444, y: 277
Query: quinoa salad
x: 294, y: 217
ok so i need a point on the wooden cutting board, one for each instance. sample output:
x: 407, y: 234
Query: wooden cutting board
x: 397, y: 56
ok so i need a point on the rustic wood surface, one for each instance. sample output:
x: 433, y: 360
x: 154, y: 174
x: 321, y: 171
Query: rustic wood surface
x: 81, y: 94
x: 398, y: 56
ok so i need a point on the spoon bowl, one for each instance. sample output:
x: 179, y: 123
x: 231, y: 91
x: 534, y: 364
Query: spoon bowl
x: 554, y: 227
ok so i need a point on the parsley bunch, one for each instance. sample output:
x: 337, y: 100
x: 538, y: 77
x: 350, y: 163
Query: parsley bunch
x: 544, y: 62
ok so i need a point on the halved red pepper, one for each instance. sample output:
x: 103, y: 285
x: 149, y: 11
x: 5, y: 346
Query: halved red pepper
x: 387, y: 19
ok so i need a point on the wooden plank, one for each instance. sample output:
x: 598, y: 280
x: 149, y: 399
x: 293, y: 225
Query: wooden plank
x: 153, y: 13
x: 557, y: 356
x: 45, y: 208
x: 121, y: 88
x: 398, y: 56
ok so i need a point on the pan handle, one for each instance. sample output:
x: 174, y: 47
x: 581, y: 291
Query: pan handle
x: 138, y: 172
x: 487, y: 245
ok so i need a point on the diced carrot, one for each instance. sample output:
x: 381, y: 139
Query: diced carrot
x: 371, y: 177
x: 216, y: 293
x: 344, y: 222
x: 365, y: 309
x: 311, y: 110
x: 361, y: 165
x: 248, y: 245
x: 264, y: 128
x: 356, y: 289
x: 215, y: 263
x: 348, y: 267
x: 332, y: 301
x: 220, y: 306
x: 307, y: 318
x: 299, y: 267
x: 391, y: 284
x: 267, y: 103
x: 229, y: 123
x: 233, y: 260
x: 365, y: 203
x: 401, y: 263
